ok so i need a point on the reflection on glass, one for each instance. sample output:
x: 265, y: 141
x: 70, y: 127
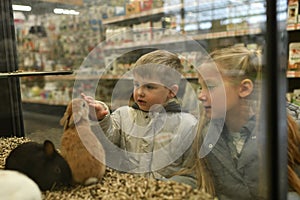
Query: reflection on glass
x: 101, y: 41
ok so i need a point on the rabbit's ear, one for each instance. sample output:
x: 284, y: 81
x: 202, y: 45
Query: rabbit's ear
x: 64, y: 121
x: 49, y: 148
x: 73, y: 119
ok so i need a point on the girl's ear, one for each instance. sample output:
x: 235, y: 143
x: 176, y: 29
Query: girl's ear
x: 246, y: 88
x: 173, y: 91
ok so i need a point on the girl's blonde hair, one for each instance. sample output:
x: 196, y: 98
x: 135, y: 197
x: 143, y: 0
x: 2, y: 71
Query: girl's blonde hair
x: 293, y: 153
x: 237, y: 63
x: 199, y: 166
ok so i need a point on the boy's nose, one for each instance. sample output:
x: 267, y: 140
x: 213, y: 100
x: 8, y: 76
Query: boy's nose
x: 202, y: 96
x: 140, y: 91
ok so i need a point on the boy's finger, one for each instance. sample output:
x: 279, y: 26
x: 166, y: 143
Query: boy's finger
x: 97, y: 106
x: 82, y: 95
x: 85, y: 96
x: 104, y: 112
x: 89, y: 99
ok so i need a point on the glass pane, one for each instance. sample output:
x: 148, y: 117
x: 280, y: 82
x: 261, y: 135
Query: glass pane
x: 221, y: 96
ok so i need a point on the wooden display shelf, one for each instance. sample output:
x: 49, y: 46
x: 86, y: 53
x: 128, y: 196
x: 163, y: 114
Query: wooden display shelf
x: 170, y: 40
x: 224, y: 34
x: 293, y: 27
x: 148, y: 13
x: 44, y: 101
x: 293, y: 74
x: 34, y: 73
x: 84, y: 77
x: 69, y: 2
x: 105, y: 77
x: 48, y: 106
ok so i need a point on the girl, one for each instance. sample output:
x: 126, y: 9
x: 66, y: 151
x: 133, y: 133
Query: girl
x: 229, y: 162
x: 229, y: 151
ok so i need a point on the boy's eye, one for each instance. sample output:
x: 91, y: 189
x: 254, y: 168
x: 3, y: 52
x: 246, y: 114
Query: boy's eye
x: 136, y: 85
x: 148, y: 86
x: 199, y: 89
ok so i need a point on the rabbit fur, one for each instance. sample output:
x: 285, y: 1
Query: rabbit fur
x: 40, y: 162
x: 79, y: 145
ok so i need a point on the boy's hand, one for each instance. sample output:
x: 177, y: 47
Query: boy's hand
x: 97, y: 110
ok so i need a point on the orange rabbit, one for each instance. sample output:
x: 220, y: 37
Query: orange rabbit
x: 79, y: 146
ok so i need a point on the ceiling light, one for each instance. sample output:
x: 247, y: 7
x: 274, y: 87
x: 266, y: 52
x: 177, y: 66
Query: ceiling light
x: 21, y: 8
x: 65, y: 11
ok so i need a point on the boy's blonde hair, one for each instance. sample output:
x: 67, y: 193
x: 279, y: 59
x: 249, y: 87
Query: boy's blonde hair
x: 159, y: 64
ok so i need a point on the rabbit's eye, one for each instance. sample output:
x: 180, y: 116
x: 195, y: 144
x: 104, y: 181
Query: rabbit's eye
x: 83, y: 105
x: 57, y: 170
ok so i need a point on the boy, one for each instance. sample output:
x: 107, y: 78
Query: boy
x: 153, y: 135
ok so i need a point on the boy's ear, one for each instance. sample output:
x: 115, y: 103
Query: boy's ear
x: 246, y: 88
x: 173, y: 91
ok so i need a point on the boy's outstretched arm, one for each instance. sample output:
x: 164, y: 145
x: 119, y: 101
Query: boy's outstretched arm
x: 97, y: 110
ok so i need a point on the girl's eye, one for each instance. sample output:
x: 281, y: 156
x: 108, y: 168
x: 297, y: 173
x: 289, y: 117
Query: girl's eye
x: 208, y: 87
x: 136, y: 85
x: 211, y: 87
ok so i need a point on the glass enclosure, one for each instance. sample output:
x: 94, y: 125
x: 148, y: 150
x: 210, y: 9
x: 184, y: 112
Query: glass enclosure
x: 98, y: 42
x: 52, y: 36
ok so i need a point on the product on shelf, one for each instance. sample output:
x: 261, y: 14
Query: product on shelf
x: 293, y: 17
x: 293, y: 11
x: 294, y: 56
x: 132, y: 8
x: 296, y: 97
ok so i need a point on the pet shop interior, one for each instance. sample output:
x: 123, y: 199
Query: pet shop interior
x: 54, y: 50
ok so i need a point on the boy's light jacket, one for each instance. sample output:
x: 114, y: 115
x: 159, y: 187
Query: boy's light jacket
x: 152, y: 143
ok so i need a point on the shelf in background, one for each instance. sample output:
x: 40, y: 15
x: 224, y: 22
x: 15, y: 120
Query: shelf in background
x: 147, y: 13
x: 224, y: 34
x: 83, y: 77
x: 47, y: 106
x: 293, y: 27
x: 44, y: 101
x: 174, y: 40
x: 105, y: 77
x: 44, y: 108
x: 34, y: 73
x: 293, y: 74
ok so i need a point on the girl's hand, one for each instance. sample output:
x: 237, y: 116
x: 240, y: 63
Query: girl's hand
x: 97, y: 110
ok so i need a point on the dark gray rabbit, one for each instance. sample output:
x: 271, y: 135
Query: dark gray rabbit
x: 40, y: 162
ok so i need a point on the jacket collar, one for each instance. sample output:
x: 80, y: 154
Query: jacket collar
x: 249, y: 154
x: 172, y: 106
